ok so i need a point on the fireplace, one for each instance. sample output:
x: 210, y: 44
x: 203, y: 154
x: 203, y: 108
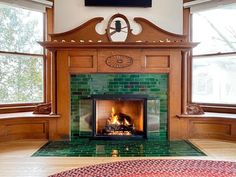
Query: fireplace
x: 119, y: 116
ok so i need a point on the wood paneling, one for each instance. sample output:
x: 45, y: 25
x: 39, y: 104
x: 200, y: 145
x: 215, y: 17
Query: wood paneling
x: 155, y: 61
x: 82, y: 61
x: 26, y: 128
x: 209, y: 126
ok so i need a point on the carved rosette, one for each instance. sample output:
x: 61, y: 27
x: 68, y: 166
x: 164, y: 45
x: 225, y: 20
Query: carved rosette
x: 119, y: 61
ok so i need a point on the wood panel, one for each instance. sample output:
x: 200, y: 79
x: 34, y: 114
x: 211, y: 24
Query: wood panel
x: 155, y: 61
x: 82, y: 61
x: 63, y: 95
x: 26, y: 128
x: 217, y: 126
x: 212, y: 128
x: 174, y: 96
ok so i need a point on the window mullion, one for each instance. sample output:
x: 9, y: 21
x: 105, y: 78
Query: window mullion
x: 22, y: 54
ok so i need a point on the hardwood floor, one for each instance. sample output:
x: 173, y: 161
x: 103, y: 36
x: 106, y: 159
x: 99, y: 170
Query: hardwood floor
x: 15, y: 158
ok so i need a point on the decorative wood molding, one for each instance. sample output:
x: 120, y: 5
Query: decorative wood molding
x: 118, y: 28
x: 119, y: 61
x: 86, y: 33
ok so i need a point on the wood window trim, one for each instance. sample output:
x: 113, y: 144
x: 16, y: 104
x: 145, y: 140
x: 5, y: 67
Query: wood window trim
x: 48, y: 22
x: 207, y: 107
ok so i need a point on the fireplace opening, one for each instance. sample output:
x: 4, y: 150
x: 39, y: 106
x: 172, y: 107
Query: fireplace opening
x: 119, y: 116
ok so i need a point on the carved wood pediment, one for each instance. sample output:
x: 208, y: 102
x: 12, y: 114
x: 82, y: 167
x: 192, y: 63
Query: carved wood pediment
x: 86, y: 33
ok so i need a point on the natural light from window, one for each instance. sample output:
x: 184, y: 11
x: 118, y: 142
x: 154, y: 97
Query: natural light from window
x: 21, y: 57
x: 214, y: 59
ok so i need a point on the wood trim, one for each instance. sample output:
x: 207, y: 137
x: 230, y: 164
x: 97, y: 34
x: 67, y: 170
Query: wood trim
x: 188, y: 1
x: 53, y: 82
x: 22, y: 54
x: 87, y: 33
x: 145, y: 21
x: 214, y: 54
x: 16, y: 108
x: 50, y: 29
x: 219, y: 109
x: 72, y: 45
x: 184, y: 82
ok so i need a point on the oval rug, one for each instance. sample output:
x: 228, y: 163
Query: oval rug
x: 155, y: 167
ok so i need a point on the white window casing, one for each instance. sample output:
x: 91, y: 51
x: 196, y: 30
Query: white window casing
x: 37, y: 5
x: 202, y: 5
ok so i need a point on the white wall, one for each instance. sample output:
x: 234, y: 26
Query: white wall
x: 167, y: 14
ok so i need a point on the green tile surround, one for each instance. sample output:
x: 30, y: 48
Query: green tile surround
x: 85, y: 147
x: 83, y: 86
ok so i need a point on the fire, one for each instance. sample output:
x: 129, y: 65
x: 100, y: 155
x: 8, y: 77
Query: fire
x: 119, y: 124
x: 114, y: 118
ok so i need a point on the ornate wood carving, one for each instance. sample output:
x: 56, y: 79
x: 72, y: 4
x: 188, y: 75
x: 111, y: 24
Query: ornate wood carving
x: 118, y: 28
x: 119, y: 61
x: 43, y: 109
x: 194, y: 109
x: 86, y: 33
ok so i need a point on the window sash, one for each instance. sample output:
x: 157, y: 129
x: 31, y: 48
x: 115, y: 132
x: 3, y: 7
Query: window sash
x: 210, y: 105
x: 28, y: 104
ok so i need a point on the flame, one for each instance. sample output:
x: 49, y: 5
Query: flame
x: 126, y: 122
x: 114, y: 117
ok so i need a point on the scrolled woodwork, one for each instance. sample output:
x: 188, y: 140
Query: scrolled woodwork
x: 119, y: 61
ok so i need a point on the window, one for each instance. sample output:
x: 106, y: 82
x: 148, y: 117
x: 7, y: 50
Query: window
x: 21, y: 58
x: 214, y: 59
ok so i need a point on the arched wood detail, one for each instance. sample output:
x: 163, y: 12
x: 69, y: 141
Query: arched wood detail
x: 86, y: 33
x: 129, y: 30
x: 152, y: 33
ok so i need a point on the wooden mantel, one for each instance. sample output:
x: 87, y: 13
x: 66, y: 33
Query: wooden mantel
x: 83, y: 50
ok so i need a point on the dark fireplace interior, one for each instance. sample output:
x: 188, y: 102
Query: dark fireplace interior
x: 119, y: 117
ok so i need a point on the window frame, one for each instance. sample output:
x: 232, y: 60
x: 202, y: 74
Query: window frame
x: 24, y: 107
x: 208, y: 107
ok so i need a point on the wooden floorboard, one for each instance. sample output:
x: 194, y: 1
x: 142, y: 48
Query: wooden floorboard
x: 16, y: 160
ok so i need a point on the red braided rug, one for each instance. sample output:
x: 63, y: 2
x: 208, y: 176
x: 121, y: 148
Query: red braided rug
x: 151, y: 168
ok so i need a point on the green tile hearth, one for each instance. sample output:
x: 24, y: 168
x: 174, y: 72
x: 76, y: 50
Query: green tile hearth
x: 84, y: 86
x: 85, y: 147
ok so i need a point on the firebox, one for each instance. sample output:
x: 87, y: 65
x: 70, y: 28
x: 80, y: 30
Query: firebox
x: 120, y: 116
